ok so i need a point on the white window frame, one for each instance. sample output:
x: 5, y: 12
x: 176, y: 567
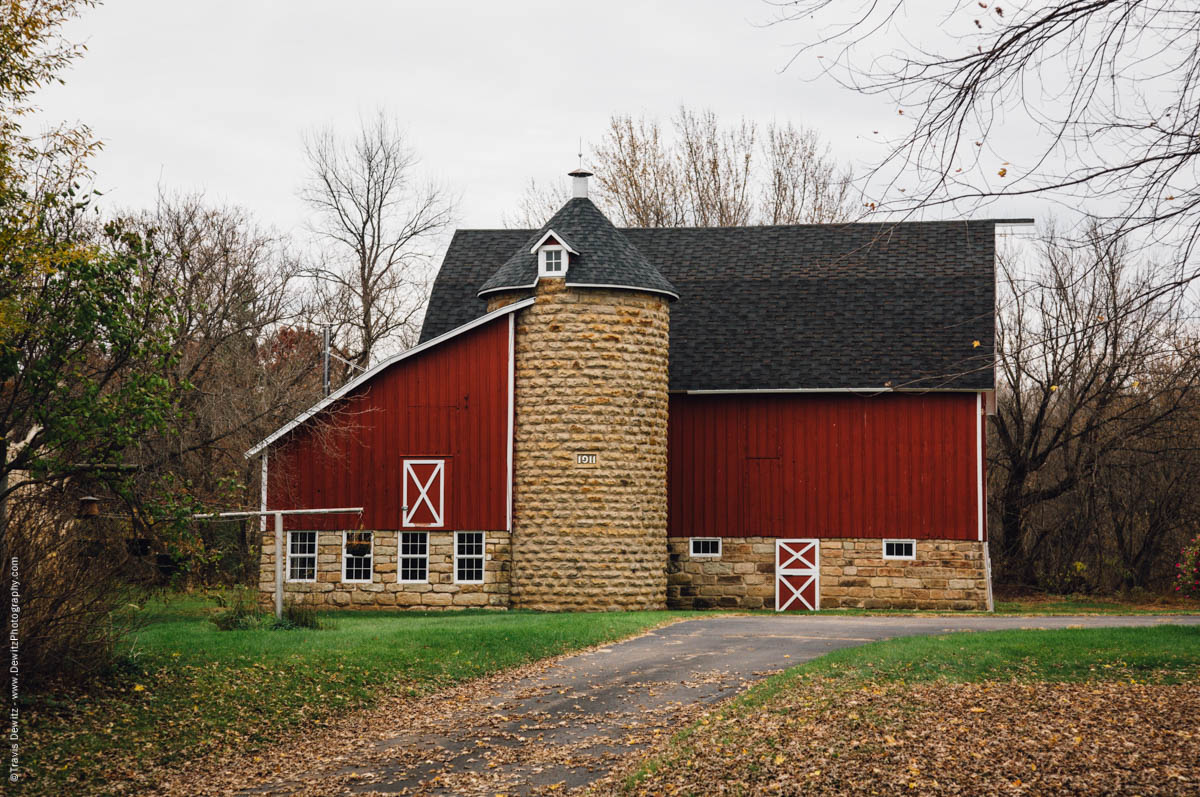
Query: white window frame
x: 346, y: 558
x: 316, y: 553
x: 895, y: 558
x: 439, y: 512
x: 482, y: 557
x: 400, y: 557
x: 692, y: 548
x: 543, y: 266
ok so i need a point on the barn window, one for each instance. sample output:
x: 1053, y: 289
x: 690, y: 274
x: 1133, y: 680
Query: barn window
x: 356, y: 555
x: 552, y: 261
x: 468, y: 557
x: 706, y: 546
x: 302, y: 556
x: 899, y: 549
x: 414, y: 557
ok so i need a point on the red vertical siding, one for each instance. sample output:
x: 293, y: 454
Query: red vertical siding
x: 449, y: 402
x: 824, y: 465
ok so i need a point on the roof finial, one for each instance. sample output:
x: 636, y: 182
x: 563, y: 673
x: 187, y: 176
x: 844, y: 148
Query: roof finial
x: 579, y: 177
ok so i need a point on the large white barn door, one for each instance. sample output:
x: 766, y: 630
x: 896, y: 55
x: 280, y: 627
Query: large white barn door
x: 797, y: 575
x: 424, y: 492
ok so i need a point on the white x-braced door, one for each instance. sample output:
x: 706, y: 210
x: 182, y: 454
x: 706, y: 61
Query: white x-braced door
x: 424, y: 492
x: 797, y: 575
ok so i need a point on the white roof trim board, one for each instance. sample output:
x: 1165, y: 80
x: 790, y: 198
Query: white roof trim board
x: 551, y: 234
x: 370, y: 374
x: 881, y: 389
x: 672, y: 294
x: 570, y: 284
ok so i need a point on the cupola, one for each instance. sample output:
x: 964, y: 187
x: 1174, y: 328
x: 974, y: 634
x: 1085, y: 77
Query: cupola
x: 581, y: 246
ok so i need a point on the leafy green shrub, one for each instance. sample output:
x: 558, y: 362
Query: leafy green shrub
x: 1187, y: 574
x: 301, y: 617
x: 242, y: 613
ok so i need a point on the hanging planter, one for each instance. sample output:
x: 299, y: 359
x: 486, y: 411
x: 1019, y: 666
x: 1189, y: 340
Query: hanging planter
x: 358, y: 546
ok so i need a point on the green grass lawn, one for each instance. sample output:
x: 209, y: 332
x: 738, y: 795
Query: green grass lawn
x: 1077, y: 604
x: 1166, y: 654
x: 1161, y: 654
x: 1043, y: 605
x: 188, y: 689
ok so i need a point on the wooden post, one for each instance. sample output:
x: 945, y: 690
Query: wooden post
x: 279, y: 565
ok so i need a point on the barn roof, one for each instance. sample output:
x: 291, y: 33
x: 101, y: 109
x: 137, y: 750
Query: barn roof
x: 605, y: 257
x: 805, y: 307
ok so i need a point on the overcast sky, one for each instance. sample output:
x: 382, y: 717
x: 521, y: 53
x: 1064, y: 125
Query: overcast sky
x: 214, y: 96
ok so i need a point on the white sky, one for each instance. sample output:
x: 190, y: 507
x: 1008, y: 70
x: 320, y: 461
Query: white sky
x: 214, y: 95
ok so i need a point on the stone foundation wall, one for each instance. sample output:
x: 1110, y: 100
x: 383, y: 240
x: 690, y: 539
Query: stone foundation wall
x: 591, y: 376
x: 385, y: 591
x: 743, y: 577
x: 946, y: 574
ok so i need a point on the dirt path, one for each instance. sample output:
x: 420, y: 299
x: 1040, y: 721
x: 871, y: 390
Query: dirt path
x: 562, y: 724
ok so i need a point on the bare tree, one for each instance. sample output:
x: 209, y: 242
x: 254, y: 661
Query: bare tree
x: 704, y: 173
x: 1091, y: 378
x: 715, y: 168
x: 240, y: 367
x: 804, y: 184
x: 638, y: 175
x: 376, y: 223
x: 1100, y: 100
x: 537, y: 205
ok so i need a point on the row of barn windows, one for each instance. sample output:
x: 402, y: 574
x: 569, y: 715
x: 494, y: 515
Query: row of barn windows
x: 358, y: 554
x: 710, y: 548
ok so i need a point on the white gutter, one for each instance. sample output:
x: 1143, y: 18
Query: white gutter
x: 858, y: 390
x: 570, y: 284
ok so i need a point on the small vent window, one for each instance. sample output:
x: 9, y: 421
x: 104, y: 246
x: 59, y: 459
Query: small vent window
x: 706, y: 546
x: 899, y: 549
x: 552, y: 261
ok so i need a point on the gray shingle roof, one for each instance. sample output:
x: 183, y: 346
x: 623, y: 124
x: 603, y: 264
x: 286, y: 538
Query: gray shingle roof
x: 795, y: 307
x: 605, y: 256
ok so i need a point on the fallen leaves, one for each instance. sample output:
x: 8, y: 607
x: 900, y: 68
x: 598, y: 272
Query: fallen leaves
x: 943, y: 738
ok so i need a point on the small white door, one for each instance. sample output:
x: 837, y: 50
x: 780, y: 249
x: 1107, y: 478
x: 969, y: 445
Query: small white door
x: 797, y: 575
x: 424, y: 493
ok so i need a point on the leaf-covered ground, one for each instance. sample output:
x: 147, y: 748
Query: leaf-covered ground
x: 1110, y: 711
x: 823, y: 737
x: 190, y: 692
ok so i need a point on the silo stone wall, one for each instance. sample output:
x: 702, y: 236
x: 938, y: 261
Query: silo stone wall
x: 591, y: 377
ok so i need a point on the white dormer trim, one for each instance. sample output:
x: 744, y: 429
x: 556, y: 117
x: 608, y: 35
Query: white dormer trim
x: 533, y: 250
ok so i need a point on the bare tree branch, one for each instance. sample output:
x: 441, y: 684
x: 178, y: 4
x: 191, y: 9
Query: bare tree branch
x: 377, y: 224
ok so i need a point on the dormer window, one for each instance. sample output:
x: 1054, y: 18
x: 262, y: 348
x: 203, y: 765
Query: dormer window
x: 552, y: 264
x: 553, y: 254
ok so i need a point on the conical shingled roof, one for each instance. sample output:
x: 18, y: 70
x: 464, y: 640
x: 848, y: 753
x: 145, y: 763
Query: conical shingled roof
x: 606, y: 257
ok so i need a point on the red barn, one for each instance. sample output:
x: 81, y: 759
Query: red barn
x: 604, y: 418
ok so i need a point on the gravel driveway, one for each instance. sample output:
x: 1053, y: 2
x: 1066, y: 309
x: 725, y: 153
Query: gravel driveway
x: 566, y: 723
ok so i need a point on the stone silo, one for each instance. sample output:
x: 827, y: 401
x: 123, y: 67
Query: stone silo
x: 590, y: 427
